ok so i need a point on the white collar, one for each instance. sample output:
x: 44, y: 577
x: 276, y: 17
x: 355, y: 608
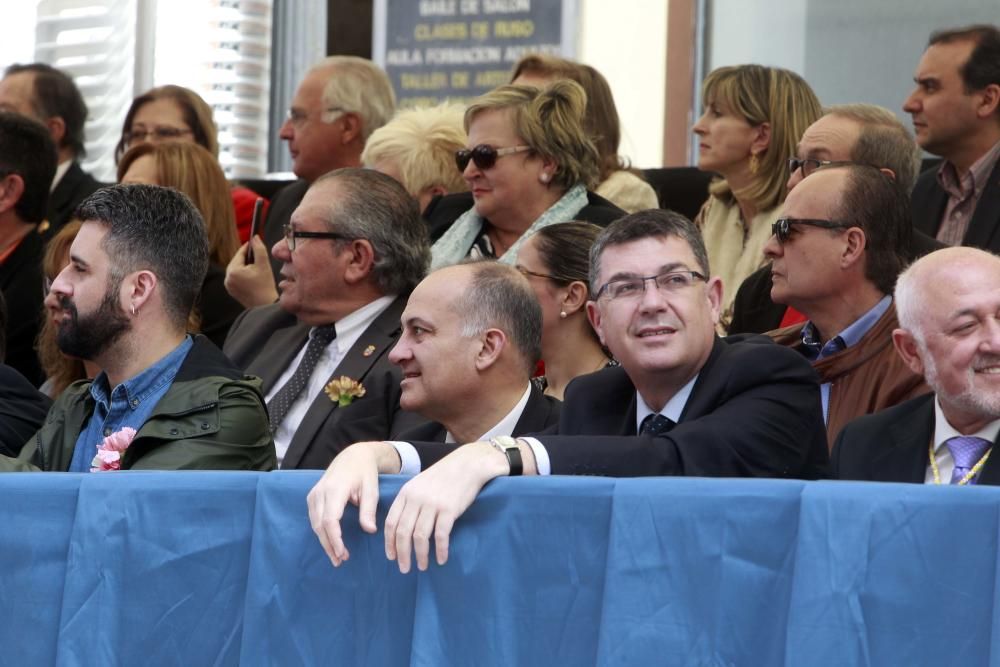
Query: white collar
x: 61, y: 170
x: 672, y: 410
x: 944, y: 431
x: 506, y: 425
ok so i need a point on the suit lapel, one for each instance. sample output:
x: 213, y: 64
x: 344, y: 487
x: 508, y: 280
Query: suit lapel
x: 535, y: 416
x: 991, y: 471
x: 375, y: 342
x: 984, y: 228
x: 928, y: 203
x: 906, y: 459
x: 280, y: 351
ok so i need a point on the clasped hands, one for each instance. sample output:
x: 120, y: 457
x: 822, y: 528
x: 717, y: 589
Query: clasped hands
x: 427, y: 506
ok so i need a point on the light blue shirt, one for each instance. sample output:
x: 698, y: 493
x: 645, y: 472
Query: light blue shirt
x: 672, y: 410
x: 850, y: 336
x: 128, y: 404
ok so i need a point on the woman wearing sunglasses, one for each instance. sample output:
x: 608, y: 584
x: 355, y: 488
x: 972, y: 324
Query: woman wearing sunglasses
x: 754, y: 117
x: 529, y: 165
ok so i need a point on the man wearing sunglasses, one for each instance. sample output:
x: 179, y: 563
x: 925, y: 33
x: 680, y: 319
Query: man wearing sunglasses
x: 683, y: 402
x: 859, y: 133
x: 835, y: 254
x: 352, y: 252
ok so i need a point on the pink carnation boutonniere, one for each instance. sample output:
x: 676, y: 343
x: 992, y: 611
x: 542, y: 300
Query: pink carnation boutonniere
x: 111, y: 450
x: 344, y: 390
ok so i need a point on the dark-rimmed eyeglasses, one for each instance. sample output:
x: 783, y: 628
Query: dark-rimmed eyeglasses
x: 810, y: 164
x: 160, y: 133
x: 782, y: 227
x: 484, y: 155
x: 668, y: 282
x: 291, y: 234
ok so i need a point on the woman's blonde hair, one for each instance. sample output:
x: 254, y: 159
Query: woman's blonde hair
x: 195, y: 172
x: 422, y: 142
x: 550, y: 122
x: 764, y: 95
x: 59, y: 369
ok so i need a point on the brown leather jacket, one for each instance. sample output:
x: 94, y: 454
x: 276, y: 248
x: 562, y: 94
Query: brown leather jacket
x: 867, y: 377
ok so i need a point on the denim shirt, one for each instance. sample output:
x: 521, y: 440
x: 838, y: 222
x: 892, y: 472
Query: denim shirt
x: 845, y: 339
x: 129, y: 404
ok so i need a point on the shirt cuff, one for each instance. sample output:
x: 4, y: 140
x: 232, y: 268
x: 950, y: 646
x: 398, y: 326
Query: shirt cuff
x: 542, y: 464
x: 408, y: 458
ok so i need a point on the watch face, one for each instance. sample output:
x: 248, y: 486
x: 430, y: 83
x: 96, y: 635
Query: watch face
x: 505, y: 441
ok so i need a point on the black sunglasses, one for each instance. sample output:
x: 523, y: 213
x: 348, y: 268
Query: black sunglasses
x: 782, y: 227
x: 484, y: 155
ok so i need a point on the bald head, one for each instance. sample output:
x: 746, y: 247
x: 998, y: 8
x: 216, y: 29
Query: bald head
x: 948, y: 304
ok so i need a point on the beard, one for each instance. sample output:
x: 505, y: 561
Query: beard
x: 969, y: 399
x: 88, y: 336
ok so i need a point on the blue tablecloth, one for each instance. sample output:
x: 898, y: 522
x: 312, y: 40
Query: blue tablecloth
x: 222, y: 569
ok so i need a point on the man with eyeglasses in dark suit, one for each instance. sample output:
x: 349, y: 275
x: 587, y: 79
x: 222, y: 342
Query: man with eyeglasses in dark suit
x: 352, y: 252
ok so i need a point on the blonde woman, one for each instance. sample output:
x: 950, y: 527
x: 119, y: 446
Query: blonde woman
x: 754, y: 116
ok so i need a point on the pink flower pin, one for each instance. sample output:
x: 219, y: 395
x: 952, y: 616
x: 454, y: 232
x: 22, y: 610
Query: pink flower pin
x: 111, y: 450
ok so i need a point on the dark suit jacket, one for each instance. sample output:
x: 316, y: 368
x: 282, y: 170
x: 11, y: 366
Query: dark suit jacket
x: 265, y: 340
x: 929, y: 202
x: 540, y: 412
x: 754, y: 411
x: 893, y: 446
x: 278, y: 214
x: 22, y: 411
x: 753, y: 310
x: 443, y: 210
x: 21, y: 283
x: 75, y: 186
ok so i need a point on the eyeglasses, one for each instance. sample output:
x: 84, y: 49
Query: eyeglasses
x: 484, y: 155
x: 809, y: 164
x: 154, y: 134
x: 782, y: 227
x: 291, y: 234
x: 297, y: 117
x: 668, y: 282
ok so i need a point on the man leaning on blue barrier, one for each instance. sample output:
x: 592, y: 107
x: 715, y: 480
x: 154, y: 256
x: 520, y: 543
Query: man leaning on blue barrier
x: 164, y: 400
x: 684, y: 402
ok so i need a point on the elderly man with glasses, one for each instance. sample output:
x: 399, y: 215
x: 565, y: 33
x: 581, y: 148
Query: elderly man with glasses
x: 835, y: 256
x: 683, y: 402
x: 352, y: 252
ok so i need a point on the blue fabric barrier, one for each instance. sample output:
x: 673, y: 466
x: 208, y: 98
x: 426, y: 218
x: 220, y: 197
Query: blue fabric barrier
x: 222, y: 569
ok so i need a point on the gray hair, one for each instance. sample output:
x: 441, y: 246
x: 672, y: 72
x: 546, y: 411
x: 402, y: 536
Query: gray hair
x: 498, y: 297
x: 375, y: 207
x: 654, y: 223
x: 155, y: 229
x: 359, y: 86
x: 884, y: 142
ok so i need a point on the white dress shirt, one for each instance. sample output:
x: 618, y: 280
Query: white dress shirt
x: 944, y: 431
x: 61, y: 170
x: 349, y: 330
x: 411, y: 461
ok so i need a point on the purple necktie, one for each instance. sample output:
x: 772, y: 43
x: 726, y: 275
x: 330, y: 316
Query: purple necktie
x: 966, y: 451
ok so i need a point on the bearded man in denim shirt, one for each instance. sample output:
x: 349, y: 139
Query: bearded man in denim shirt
x: 164, y: 399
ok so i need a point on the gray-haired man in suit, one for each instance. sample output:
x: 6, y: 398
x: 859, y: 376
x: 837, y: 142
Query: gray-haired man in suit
x: 352, y: 252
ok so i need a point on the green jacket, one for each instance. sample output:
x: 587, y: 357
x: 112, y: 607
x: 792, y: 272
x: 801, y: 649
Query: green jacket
x: 211, y: 418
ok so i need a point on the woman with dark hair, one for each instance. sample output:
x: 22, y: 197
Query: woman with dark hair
x: 192, y: 170
x: 529, y: 165
x: 175, y: 113
x: 617, y: 182
x: 556, y: 262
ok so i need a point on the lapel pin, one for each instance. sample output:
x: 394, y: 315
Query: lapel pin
x: 369, y: 351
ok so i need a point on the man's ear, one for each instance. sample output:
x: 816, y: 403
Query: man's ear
x: 493, y: 343
x: 990, y: 102
x: 594, y: 315
x: 11, y: 191
x: 908, y: 350
x: 362, y: 261
x: 140, y: 288
x: 352, y: 127
x: 576, y: 297
x: 855, y: 248
x: 714, y: 293
x: 57, y: 128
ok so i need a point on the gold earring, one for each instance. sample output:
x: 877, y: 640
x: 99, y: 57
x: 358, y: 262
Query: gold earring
x: 754, y: 163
